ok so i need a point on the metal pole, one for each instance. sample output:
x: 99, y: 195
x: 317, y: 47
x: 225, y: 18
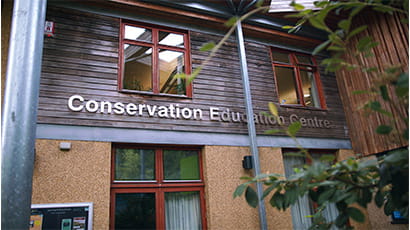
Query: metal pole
x: 251, y: 123
x: 20, y: 112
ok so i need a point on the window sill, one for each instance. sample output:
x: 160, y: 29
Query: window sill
x: 302, y: 107
x: 144, y: 93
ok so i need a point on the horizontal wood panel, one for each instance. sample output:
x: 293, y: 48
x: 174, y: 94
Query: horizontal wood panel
x: 82, y: 59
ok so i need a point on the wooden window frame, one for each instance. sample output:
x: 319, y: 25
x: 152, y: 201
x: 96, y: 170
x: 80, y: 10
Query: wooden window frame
x: 159, y: 186
x: 297, y: 66
x: 154, y: 44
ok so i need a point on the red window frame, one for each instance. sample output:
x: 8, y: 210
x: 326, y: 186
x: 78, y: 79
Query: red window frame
x: 154, y: 44
x: 297, y: 66
x: 159, y: 186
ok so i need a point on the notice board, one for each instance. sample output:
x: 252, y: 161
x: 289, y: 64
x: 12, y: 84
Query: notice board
x: 64, y: 216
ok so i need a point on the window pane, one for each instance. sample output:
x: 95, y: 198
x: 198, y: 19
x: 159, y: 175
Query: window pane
x: 171, y: 63
x: 137, y: 33
x: 287, y: 88
x: 181, y: 165
x: 135, y: 211
x: 134, y: 164
x: 171, y: 39
x: 310, y: 93
x: 304, y: 59
x: 182, y: 210
x: 280, y: 57
x: 137, y: 68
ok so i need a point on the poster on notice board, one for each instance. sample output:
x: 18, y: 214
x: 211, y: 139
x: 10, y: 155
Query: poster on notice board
x: 63, y: 216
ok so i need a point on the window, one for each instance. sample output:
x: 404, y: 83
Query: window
x: 297, y: 79
x: 150, y: 57
x: 304, y: 206
x: 157, y: 188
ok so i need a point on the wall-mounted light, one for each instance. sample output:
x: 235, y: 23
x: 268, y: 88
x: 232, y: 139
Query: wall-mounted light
x: 247, y: 162
x: 65, y: 146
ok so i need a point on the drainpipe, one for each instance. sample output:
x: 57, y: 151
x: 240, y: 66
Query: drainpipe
x: 20, y: 112
x: 251, y: 123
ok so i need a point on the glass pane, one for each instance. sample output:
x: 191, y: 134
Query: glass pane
x: 134, y: 164
x: 181, y: 165
x: 137, y: 33
x: 171, y: 63
x: 310, y: 93
x: 286, y: 85
x: 304, y: 59
x: 280, y: 57
x: 137, y: 72
x: 135, y: 211
x: 182, y: 210
x: 302, y: 208
x: 171, y: 39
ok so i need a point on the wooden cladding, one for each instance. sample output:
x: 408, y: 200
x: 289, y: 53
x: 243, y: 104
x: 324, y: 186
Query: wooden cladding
x: 82, y: 59
x: 392, y: 36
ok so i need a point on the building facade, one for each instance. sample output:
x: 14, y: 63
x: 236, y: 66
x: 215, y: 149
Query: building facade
x: 117, y: 129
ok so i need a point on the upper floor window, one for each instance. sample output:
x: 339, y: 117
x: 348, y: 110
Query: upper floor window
x: 297, y: 79
x: 150, y: 57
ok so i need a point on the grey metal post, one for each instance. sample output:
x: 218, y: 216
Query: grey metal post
x: 251, y: 123
x: 20, y: 112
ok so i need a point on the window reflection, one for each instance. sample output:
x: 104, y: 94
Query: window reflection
x: 310, y: 94
x: 171, y: 63
x: 181, y: 165
x: 286, y: 84
x: 171, y: 39
x: 134, y: 164
x: 137, y: 33
x: 137, y: 72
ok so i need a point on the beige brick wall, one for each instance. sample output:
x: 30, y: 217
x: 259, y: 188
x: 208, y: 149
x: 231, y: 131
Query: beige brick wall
x: 79, y: 175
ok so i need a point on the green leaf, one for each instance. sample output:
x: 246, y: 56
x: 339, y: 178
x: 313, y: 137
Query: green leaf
x: 356, y: 214
x: 320, y: 4
x: 239, y: 190
x: 384, y: 92
x: 327, y: 157
x: 317, y: 23
x: 259, y: 3
x: 297, y: 7
x: 273, y: 131
x: 383, y: 9
x: 273, y: 109
x: 294, y: 128
x: 388, y: 208
x: 321, y: 47
x: 365, y: 44
x: 384, y: 129
x: 287, y: 27
x: 268, y: 191
x: 375, y: 105
x: 251, y: 197
x: 344, y: 24
x: 402, y: 85
x: 341, y: 220
x: 356, y: 31
x: 336, y: 48
x: 207, y: 46
x: 231, y: 21
x: 325, y: 196
x: 356, y: 92
x: 379, y: 199
x: 396, y: 156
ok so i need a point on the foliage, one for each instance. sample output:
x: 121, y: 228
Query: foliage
x: 352, y: 182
